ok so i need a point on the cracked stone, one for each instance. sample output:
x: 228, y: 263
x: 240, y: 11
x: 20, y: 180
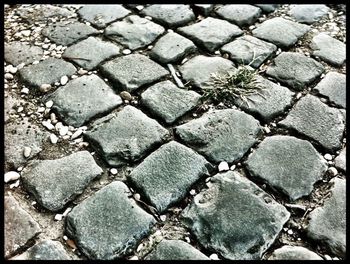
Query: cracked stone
x: 43, y: 13
x: 18, y: 52
x: 101, y: 15
x: 221, y: 135
x: 211, y: 33
x: 108, y: 224
x: 249, y: 50
x: 166, y: 176
x: 134, y: 32
x: 299, y: 165
x: 308, y: 13
x: 171, y: 48
x: 333, y: 85
x: 66, y: 178
x: 268, y: 8
x: 317, y: 121
x: 295, y: 69
x: 175, y: 250
x: 170, y: 15
x: 126, y: 136
x: 84, y: 98
x: 46, y: 250
x: 48, y: 71
x: 294, y: 253
x: 328, y: 222
x: 242, y: 15
x: 132, y: 71
x: 19, y: 227
x: 198, y: 69
x: 66, y: 34
x: 281, y: 32
x: 255, y: 218
x: 340, y: 160
x: 169, y: 102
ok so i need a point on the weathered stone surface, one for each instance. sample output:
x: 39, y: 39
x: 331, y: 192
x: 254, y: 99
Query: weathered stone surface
x: 20, y: 135
x: 64, y: 33
x: 171, y: 48
x: 134, y: 32
x: 277, y: 99
x: 19, y: 226
x: 168, y: 101
x: 294, y: 253
x: 47, y: 250
x: 295, y: 69
x: 204, y: 9
x: 84, y: 98
x: 170, y: 15
x: 126, y: 136
x: 328, y: 223
x: 308, y: 13
x: 108, y: 224
x: 17, y: 52
x: 90, y: 52
x: 235, y: 217
x: 211, y: 33
x: 101, y: 15
x: 340, y: 161
x: 318, y: 121
x: 221, y: 135
x: 10, y: 103
x: 198, y: 69
x: 281, y: 32
x: 46, y: 72
x: 242, y: 15
x: 43, y: 13
x: 328, y: 49
x: 249, y: 50
x: 166, y: 175
x: 132, y: 71
x: 299, y: 165
x: 333, y: 85
x: 268, y: 8
x: 175, y: 250
x: 54, y: 183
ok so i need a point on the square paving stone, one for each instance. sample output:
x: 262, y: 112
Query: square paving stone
x: 317, y: 121
x: 340, y: 160
x: 54, y: 183
x: 19, y: 227
x: 43, y: 13
x: 211, y: 33
x: 46, y: 250
x: 295, y: 69
x: 328, y: 223
x: 175, y: 250
x: 132, y: 71
x: 48, y: 71
x: 333, y: 85
x: 171, y: 48
x: 126, y: 136
x: 170, y: 15
x: 275, y: 100
x: 281, y: 32
x: 108, y: 224
x: 134, y: 32
x: 287, y: 163
x: 308, y: 13
x: 198, y: 70
x: 249, y: 50
x: 17, y: 52
x: 328, y: 49
x: 90, y: 52
x: 235, y: 218
x: 64, y: 33
x: 165, y: 176
x: 82, y: 99
x: 221, y: 135
x: 101, y: 15
x: 242, y: 15
x: 168, y: 101
x: 294, y: 253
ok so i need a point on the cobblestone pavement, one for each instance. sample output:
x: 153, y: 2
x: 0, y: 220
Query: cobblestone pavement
x: 111, y: 153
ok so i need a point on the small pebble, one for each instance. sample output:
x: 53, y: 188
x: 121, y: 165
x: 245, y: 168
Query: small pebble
x: 233, y: 167
x: 20, y: 168
x: 8, y: 76
x: 64, y: 80
x: 126, y: 52
x: 163, y: 217
x: 20, y: 66
x: 35, y: 62
x: 26, y: 151
x: 25, y: 90
x: 11, y: 176
x: 134, y: 258
x: 328, y: 156
x: 82, y: 71
x: 214, y: 257
x: 48, y: 125
x: 65, y: 238
x: 74, y: 76
x: 290, y: 232
x: 327, y: 257
x: 44, y: 88
x: 137, y: 197
x: 125, y: 95
x: 53, y: 138
x: 49, y: 104
x: 298, y: 95
x: 58, y: 217
x: 34, y: 203
x: 14, y: 185
x: 193, y: 192
x: 267, y: 129
x: 76, y: 134
x: 41, y: 109
x: 20, y: 109
x: 63, y: 130
x: 26, y: 33
x: 187, y: 239
x: 223, y: 166
x: 114, y: 171
x: 67, y: 211
x: 332, y: 171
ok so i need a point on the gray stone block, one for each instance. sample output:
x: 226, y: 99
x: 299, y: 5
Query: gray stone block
x: 17, y: 52
x: 47, y: 250
x: 242, y: 15
x: 308, y: 14
x: 42, y: 14
x: 294, y: 253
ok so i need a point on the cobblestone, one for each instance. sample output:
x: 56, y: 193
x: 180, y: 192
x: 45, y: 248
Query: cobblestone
x: 308, y: 13
x: 17, y: 52
x: 294, y: 253
x: 241, y: 15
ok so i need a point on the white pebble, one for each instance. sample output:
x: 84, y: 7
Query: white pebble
x: 193, y: 192
x: 223, y: 166
x: 20, y: 168
x: 82, y: 71
x: 41, y: 109
x: 76, y: 134
x: 63, y: 130
x: 48, y: 125
x: 126, y: 51
x: 25, y: 90
x: 327, y: 257
x: 45, y: 87
x: 8, y: 76
x: 139, y: 7
x: 14, y: 185
x: 267, y: 129
x: 49, y: 104
x: 137, y: 197
x: 67, y: 211
x: 26, y: 33
x: 58, y: 126
x: 114, y: 171
x: 298, y: 95
x: 20, y: 66
x: 26, y: 151
x: 20, y: 109
x: 64, y: 80
x: 163, y: 217
x: 328, y: 156
x: 290, y: 232
x: 11, y: 69
x: 134, y: 258
x: 58, y: 217
x: 11, y: 176
x: 65, y: 238
x: 233, y: 167
x: 332, y: 171
x: 188, y: 240
x: 53, y: 138
x: 214, y: 257
x: 35, y: 62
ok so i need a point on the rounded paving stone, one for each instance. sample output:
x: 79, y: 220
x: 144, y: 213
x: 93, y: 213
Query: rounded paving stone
x: 43, y: 13
x: 235, y: 217
x: 54, y: 183
x: 242, y: 15
x: 47, y: 250
x: 221, y: 135
x: 299, y: 165
x: 108, y: 224
x: 294, y: 253
x: 18, y: 52
x: 308, y: 13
